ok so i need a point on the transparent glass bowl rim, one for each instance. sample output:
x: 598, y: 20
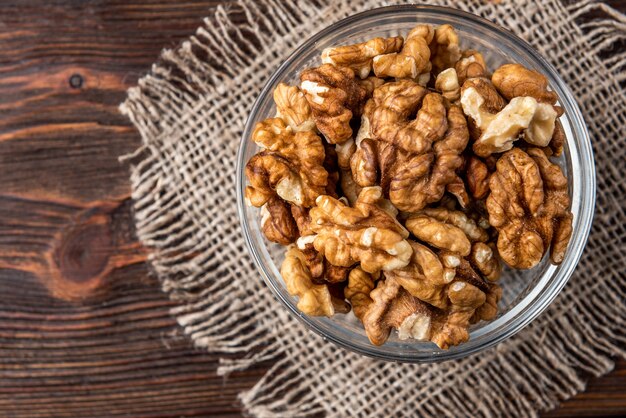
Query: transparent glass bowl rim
x: 529, y: 311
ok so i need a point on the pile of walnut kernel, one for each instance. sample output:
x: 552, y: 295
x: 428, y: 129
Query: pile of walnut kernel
x: 399, y: 173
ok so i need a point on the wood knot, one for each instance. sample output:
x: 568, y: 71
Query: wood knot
x: 76, y: 81
x: 83, y: 251
x: 89, y: 248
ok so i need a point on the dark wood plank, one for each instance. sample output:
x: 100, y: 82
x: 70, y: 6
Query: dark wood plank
x: 84, y: 328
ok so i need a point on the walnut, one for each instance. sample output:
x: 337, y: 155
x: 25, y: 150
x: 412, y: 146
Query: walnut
x: 370, y: 84
x: 322, y: 271
x: 528, y: 205
x: 303, y: 219
x: 393, y: 307
x: 277, y: 223
x: 485, y: 260
x: 425, y: 277
x: 314, y: 299
x: 515, y: 80
x: 452, y: 330
x: 365, y: 233
x: 412, y: 60
x: 359, y: 57
x: 290, y: 165
x: 344, y: 153
x: 554, y: 219
x: 498, y: 131
x: 462, y: 255
x: 447, y: 83
x: 477, y: 174
x: 389, y: 113
x: 390, y: 307
x: 421, y: 179
x: 335, y: 97
x: 360, y: 284
x: 292, y: 107
x: 470, y: 65
x: 447, y: 229
x: 349, y: 187
x: 331, y: 165
x: 488, y: 310
x: 444, y: 48
x: 558, y: 139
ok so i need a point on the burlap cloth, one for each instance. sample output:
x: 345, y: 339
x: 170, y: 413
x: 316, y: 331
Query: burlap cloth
x: 191, y: 110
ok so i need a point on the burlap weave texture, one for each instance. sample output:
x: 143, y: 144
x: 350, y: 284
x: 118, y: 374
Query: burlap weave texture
x: 191, y: 110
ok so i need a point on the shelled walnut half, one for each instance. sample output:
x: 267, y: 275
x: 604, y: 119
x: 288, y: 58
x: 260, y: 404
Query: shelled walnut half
x: 528, y: 205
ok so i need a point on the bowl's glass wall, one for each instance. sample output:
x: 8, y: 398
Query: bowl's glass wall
x: 525, y: 293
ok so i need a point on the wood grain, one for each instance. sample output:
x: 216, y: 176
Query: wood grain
x: 84, y: 329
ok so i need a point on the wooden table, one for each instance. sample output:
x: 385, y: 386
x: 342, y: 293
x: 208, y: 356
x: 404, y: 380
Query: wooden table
x: 84, y: 329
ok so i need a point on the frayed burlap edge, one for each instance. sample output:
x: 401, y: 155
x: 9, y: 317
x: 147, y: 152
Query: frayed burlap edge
x: 190, y: 112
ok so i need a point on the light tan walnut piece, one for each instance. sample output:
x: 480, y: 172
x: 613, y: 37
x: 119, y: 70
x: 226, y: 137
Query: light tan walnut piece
x: 277, y: 223
x: 365, y: 233
x: 446, y: 229
x: 292, y: 107
x: 528, y: 206
x: 515, y: 80
x: 412, y: 60
x: 462, y: 248
x: 425, y: 277
x: 314, y: 299
x: 470, y: 65
x: 444, y: 48
x: 335, y: 97
x: 359, y: 57
x: 447, y: 83
x: 290, y: 165
x: 498, y: 131
x: 357, y: 292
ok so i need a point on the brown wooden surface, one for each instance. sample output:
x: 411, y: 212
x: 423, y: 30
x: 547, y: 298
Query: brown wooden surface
x: 84, y: 329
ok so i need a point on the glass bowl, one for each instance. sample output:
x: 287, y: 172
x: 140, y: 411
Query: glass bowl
x: 525, y: 293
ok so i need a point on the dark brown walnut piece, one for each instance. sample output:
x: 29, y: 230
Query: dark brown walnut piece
x: 277, y: 223
x: 529, y: 207
x: 477, y: 175
x: 335, y: 98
